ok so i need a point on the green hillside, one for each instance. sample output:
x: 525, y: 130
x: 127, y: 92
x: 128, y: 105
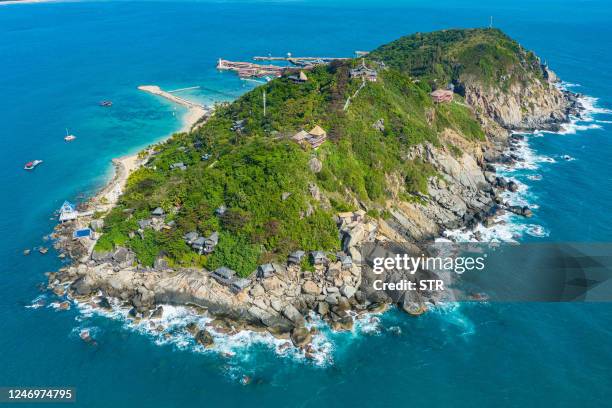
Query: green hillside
x: 264, y: 178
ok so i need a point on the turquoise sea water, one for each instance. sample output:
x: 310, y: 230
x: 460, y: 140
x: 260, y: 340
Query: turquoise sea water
x: 57, y: 60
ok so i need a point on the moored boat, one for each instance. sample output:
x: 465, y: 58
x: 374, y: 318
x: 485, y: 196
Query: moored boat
x: 32, y: 164
x: 69, y: 137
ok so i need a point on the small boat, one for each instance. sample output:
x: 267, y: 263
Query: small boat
x: 68, y: 137
x: 106, y: 104
x: 32, y: 164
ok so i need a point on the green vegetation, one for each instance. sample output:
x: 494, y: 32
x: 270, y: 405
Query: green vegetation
x: 453, y: 56
x: 275, y: 202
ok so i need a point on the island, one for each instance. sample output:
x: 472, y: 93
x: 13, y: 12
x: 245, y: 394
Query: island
x: 257, y: 215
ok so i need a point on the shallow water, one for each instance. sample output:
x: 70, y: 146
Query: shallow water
x: 58, y: 60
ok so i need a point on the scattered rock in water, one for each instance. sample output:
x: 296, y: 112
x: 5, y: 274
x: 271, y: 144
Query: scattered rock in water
x: 104, y: 303
x: 64, y: 306
x: 524, y: 211
x: 501, y: 183
x: 192, y: 328
x: 59, y: 291
x: 377, y: 307
x: 26, y: 252
x: 85, y: 335
x: 300, y: 336
x: 343, y: 324
x: 43, y: 250
x: 513, y: 187
x: 157, y: 313
x: 284, y: 347
x: 489, y: 221
x: 204, y: 338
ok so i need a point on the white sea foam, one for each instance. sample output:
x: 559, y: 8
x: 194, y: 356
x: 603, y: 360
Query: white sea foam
x: 38, y: 302
x: 536, y: 231
x: 453, y: 317
x: 170, y: 330
x: 507, y: 227
x: 565, y: 85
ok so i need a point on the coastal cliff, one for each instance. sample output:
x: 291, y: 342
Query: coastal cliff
x: 360, y: 151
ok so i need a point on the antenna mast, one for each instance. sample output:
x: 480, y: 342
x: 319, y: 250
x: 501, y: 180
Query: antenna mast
x: 264, y: 102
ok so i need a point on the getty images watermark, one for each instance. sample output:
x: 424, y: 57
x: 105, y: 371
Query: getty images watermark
x: 406, y: 264
x: 504, y: 272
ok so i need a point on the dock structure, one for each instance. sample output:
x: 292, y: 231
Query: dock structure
x: 301, y: 61
x: 156, y: 90
x: 249, y: 69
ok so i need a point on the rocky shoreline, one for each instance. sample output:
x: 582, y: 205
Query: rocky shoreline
x: 280, y: 298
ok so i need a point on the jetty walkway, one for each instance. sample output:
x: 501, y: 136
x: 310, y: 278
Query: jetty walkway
x: 156, y: 90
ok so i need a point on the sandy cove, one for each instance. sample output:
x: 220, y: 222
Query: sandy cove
x: 124, y: 166
x: 108, y: 196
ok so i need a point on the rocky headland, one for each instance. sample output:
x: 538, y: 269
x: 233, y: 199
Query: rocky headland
x: 462, y: 191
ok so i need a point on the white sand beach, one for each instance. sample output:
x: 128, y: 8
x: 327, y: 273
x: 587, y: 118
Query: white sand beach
x: 124, y: 166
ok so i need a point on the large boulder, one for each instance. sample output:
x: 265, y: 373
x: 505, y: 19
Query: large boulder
x: 311, y: 288
x: 257, y: 290
x: 96, y: 224
x: 121, y: 255
x: 101, y: 256
x: 345, y: 323
x: 157, y: 313
x: 315, y: 165
x: 83, y: 286
x: 348, y: 291
x: 161, y: 263
x: 323, y: 308
x: 291, y: 313
x: 104, y: 303
x: 204, y: 338
x: 301, y: 336
x: 354, y: 237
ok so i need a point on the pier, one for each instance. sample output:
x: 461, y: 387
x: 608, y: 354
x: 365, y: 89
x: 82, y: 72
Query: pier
x: 301, y: 61
x: 249, y: 69
x: 156, y: 90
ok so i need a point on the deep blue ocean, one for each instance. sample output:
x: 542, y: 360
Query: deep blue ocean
x: 57, y: 60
